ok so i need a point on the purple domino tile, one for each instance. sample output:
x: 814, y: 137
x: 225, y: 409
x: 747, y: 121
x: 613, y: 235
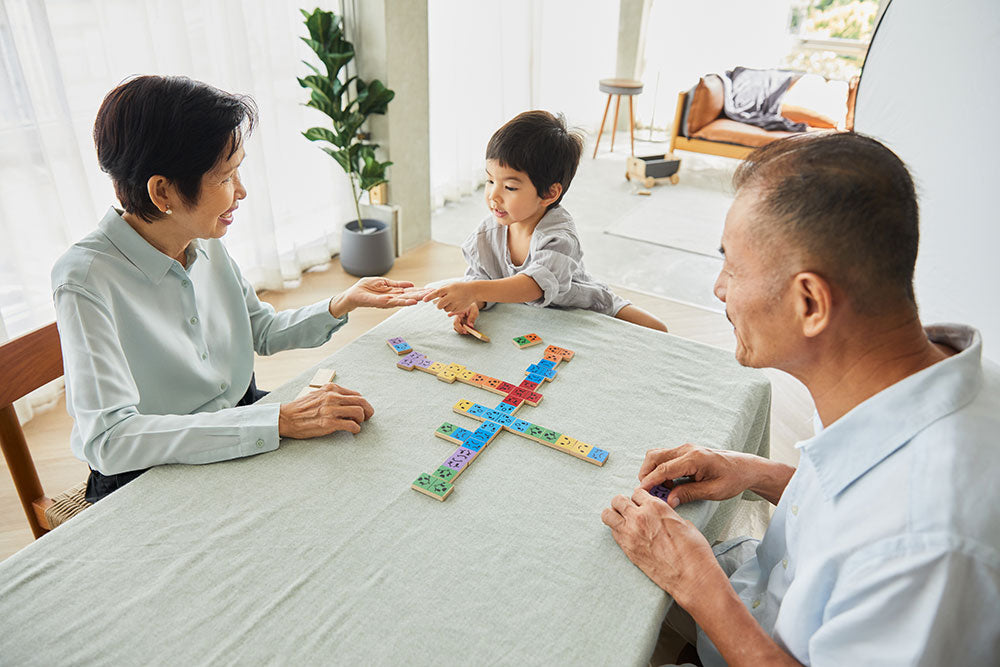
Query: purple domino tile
x: 396, y: 341
x: 423, y: 363
x: 460, y: 458
x: 660, y: 491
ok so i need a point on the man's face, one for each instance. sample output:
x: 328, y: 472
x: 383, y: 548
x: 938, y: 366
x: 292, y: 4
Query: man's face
x: 755, y: 288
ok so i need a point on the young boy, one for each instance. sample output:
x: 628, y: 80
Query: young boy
x: 527, y: 250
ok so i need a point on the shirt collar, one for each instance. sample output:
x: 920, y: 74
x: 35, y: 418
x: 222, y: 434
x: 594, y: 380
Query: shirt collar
x: 137, y: 250
x: 858, y: 441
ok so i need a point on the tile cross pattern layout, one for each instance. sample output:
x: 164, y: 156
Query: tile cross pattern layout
x: 440, y: 483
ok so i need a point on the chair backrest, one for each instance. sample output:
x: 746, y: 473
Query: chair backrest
x: 26, y: 363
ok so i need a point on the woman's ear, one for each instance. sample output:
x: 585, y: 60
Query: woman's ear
x: 161, y: 192
x: 813, y: 303
x: 554, y: 193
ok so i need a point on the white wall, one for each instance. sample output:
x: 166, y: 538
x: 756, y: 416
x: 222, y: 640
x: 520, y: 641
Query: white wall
x: 929, y: 92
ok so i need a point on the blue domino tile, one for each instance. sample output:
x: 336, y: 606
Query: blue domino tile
x: 533, y: 369
x: 505, y: 408
x: 400, y: 347
x: 519, y: 425
x: 488, y: 428
x: 493, y: 415
x: 503, y: 420
x: 597, y: 454
x: 462, y: 434
x: 536, y: 378
x: 477, y: 410
x: 546, y: 364
x: 475, y: 442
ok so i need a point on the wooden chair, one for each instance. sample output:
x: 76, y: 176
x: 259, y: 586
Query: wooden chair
x: 27, y: 363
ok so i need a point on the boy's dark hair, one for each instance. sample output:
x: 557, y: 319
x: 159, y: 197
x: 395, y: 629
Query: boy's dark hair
x: 170, y: 126
x: 849, y: 204
x: 538, y: 143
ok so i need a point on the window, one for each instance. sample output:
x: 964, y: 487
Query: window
x: 831, y: 37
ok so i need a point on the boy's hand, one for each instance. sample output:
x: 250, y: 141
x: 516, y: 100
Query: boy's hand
x: 466, y: 318
x: 455, y: 298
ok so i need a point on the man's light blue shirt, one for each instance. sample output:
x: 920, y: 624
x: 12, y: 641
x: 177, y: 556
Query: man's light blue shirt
x: 157, y: 355
x: 885, y: 546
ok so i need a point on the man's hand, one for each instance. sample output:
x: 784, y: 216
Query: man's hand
x: 668, y: 548
x: 465, y: 318
x: 456, y: 297
x: 716, y: 474
x: 321, y: 412
x: 376, y: 293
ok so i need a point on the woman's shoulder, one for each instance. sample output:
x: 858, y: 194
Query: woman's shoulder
x: 76, y: 266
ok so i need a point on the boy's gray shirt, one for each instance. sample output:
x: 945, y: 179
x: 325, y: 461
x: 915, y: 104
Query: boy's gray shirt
x: 554, y: 261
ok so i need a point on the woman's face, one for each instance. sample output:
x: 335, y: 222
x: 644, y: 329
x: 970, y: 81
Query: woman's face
x: 221, y: 191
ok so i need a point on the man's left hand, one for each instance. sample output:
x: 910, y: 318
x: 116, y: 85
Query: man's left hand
x: 669, y: 549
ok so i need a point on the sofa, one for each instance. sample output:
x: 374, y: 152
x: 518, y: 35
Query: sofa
x: 700, y: 127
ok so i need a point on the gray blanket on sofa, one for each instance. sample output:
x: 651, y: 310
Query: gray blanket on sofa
x: 753, y: 96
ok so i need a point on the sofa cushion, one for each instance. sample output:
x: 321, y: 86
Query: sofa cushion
x: 816, y: 102
x: 735, y: 132
x: 706, y: 104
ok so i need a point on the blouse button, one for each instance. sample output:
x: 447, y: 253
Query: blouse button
x: 756, y: 603
x: 784, y: 563
x: 204, y: 355
x: 795, y: 510
x: 260, y: 443
x: 222, y: 386
x: 194, y: 320
x: 184, y: 283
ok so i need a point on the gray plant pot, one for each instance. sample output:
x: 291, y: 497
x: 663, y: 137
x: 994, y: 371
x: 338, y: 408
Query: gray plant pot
x: 369, y: 254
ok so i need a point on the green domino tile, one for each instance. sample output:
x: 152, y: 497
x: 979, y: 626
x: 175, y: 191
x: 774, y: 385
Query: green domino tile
x: 445, y: 473
x: 446, y: 428
x: 432, y: 486
x: 550, y: 436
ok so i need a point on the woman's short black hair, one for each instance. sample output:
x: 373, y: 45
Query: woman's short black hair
x: 170, y: 126
x: 538, y: 143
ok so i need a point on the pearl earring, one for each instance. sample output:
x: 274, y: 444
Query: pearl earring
x: 168, y: 211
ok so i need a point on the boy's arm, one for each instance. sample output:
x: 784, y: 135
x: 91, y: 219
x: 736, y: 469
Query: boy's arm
x: 456, y: 297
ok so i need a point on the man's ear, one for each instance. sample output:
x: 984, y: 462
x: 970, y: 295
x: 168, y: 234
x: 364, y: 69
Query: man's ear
x: 813, y: 302
x: 161, y: 192
x: 555, y: 192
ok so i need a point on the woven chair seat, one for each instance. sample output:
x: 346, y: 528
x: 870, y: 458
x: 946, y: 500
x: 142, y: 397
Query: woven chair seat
x: 67, y: 505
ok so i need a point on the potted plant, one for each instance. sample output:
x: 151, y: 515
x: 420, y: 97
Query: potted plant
x: 366, y: 245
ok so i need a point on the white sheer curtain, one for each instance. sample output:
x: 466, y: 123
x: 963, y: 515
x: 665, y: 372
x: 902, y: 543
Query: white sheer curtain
x: 58, y: 58
x: 490, y: 61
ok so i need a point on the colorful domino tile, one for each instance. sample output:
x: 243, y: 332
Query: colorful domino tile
x: 424, y: 364
x: 597, y: 456
x: 407, y: 362
x: 451, y: 433
x: 399, y: 345
x: 660, y: 491
x: 459, y: 459
x: 537, y: 378
x: 507, y: 408
x: 435, y: 368
x: 546, y: 363
x: 532, y: 398
x: 445, y: 473
x: 529, y: 384
x: 475, y: 442
x: 517, y: 426
x: 446, y: 376
x: 477, y: 411
x: 527, y: 340
x: 563, y: 353
x: 432, y: 486
x: 322, y: 377
x: 462, y: 406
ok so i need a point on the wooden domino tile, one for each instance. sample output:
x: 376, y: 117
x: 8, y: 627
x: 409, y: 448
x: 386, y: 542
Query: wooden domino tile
x: 459, y: 460
x: 554, y: 358
x: 407, y: 362
x: 493, y: 384
x: 478, y: 334
x: 435, y: 368
x: 432, y: 486
x: 446, y: 376
x: 424, y: 364
x: 660, y: 491
x: 477, y: 411
x: 505, y: 388
x: 323, y: 376
x: 399, y: 346
x: 562, y: 353
x: 445, y: 473
x: 462, y: 406
x: 455, y: 368
x: 466, y: 377
x: 451, y: 433
x: 527, y: 340
x: 565, y: 441
x: 597, y: 456
x: 532, y: 398
x: 518, y: 426
x: 528, y: 384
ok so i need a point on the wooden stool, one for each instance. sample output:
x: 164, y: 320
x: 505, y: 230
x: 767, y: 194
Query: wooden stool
x: 619, y: 87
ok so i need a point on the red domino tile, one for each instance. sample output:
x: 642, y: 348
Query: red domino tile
x: 528, y: 384
x: 513, y: 400
x: 505, y: 387
x: 519, y: 392
x: 533, y: 397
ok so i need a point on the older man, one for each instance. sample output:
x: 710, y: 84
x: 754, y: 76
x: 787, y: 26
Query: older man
x: 885, y: 543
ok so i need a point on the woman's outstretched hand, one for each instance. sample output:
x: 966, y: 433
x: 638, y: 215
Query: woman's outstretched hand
x: 376, y: 293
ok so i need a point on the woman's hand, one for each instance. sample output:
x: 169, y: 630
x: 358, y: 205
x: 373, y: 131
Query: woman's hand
x: 376, y: 293
x: 321, y: 412
x: 466, y: 318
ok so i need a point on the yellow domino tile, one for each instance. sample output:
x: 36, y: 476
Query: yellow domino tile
x: 436, y: 367
x: 566, y: 442
x: 446, y: 376
x: 581, y: 449
x: 466, y: 376
x: 462, y: 406
x: 455, y: 368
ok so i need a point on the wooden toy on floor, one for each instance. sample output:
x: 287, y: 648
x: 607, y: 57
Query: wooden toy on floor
x: 441, y: 482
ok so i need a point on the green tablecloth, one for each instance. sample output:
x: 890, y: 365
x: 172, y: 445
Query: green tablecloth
x: 320, y: 552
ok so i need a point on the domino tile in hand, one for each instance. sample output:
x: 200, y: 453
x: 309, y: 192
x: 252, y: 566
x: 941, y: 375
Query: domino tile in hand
x: 660, y: 491
x: 322, y: 376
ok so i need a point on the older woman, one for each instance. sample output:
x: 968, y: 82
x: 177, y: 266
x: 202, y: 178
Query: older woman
x: 158, y: 325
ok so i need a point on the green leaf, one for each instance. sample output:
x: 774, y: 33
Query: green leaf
x: 320, y: 86
x: 330, y: 110
x: 376, y: 99
x: 321, y: 134
x: 341, y: 156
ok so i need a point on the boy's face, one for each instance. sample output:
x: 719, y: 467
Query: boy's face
x: 512, y: 197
